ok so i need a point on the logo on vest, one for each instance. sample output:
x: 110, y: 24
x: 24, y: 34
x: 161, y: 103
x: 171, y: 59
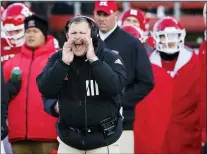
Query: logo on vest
x: 66, y: 77
x: 92, y: 88
x: 31, y: 23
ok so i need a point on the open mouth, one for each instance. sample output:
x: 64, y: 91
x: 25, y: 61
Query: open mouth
x: 31, y: 41
x: 78, y: 45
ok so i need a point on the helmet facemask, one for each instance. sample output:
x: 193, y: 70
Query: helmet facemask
x: 170, y: 40
x: 15, y: 34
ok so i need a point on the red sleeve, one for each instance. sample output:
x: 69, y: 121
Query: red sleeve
x: 55, y: 43
x: 202, y: 56
x: 151, y: 42
x: 7, y: 68
x: 153, y: 115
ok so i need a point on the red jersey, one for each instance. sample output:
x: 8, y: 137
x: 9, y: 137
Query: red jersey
x: 202, y: 56
x: 183, y: 135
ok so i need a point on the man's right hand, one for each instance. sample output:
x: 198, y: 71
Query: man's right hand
x: 67, y: 54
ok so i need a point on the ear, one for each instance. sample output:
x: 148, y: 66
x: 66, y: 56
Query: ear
x: 67, y: 36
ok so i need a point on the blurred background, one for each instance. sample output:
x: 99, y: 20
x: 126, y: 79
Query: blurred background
x: 190, y: 14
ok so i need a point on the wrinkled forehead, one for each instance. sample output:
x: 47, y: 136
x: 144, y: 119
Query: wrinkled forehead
x: 105, y: 15
x: 79, y: 26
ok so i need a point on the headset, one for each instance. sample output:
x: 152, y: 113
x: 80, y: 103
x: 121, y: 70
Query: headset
x: 94, y: 30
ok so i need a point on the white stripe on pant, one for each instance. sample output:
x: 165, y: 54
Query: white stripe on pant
x: 64, y: 148
x: 127, y: 142
x: 7, y: 146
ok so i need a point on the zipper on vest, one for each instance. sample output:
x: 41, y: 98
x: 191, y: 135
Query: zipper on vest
x: 27, y: 92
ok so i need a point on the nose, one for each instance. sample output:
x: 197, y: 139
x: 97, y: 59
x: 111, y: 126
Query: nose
x: 101, y: 17
x: 77, y: 36
x: 12, y: 33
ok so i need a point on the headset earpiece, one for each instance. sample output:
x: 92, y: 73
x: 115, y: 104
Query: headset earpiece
x: 66, y: 30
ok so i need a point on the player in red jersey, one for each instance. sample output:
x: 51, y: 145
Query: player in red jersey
x: 13, y: 26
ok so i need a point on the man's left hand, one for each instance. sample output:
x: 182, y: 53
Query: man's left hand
x: 91, y: 56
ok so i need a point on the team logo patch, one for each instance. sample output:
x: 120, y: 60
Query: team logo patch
x: 31, y: 23
x: 118, y: 61
x: 103, y: 3
x: 92, y: 88
x: 133, y: 12
x: 66, y: 77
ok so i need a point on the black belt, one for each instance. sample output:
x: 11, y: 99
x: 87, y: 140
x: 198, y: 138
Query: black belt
x: 84, y: 130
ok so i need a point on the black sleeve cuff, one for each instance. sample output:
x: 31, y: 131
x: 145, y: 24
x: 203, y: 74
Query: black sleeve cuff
x: 96, y: 63
x: 63, y: 64
x: 49, y: 106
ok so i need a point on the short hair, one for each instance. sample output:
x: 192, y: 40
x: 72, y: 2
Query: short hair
x: 79, y: 20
